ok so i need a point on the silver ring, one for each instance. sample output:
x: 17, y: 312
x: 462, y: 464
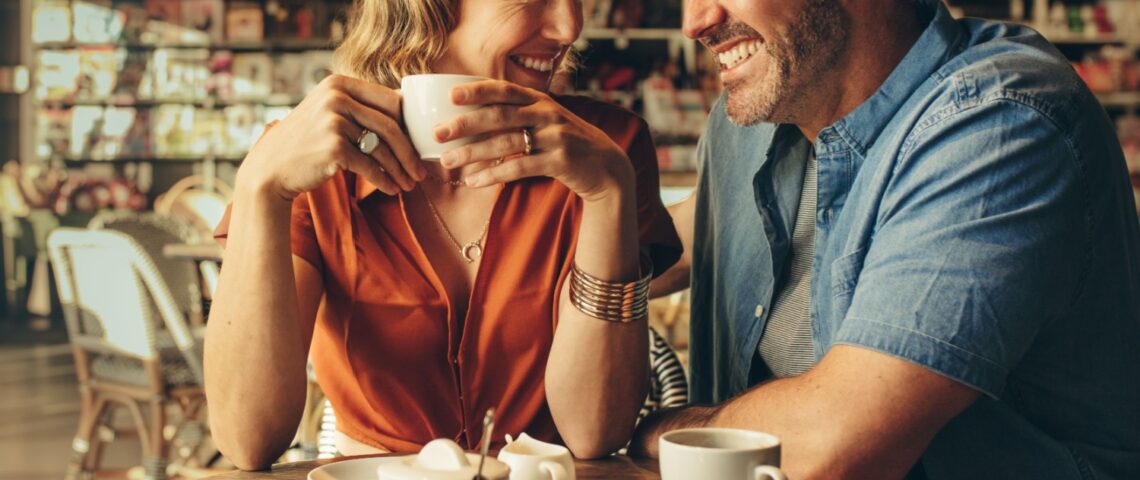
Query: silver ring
x: 528, y: 142
x: 367, y: 142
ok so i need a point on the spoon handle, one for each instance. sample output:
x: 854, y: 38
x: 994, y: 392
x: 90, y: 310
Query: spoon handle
x: 488, y: 427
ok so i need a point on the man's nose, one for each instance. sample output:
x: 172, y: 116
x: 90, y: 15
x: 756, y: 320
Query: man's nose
x: 700, y: 15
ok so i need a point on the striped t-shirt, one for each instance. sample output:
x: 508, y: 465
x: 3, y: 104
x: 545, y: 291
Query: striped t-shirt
x: 786, y: 345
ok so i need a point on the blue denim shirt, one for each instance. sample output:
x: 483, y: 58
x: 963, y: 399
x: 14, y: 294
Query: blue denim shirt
x: 974, y: 217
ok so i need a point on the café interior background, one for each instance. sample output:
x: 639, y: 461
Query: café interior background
x: 124, y: 110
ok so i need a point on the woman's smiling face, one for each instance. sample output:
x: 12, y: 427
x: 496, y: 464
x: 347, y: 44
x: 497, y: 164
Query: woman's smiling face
x: 522, y: 41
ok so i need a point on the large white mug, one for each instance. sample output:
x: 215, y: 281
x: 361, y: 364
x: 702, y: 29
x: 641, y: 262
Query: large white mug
x: 720, y: 453
x: 427, y: 103
x: 532, y: 459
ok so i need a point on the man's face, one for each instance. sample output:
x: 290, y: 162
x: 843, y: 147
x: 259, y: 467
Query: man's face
x: 772, y: 53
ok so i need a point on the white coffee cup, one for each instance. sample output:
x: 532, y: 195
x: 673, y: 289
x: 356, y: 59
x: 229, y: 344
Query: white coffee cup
x: 532, y: 459
x: 720, y: 453
x: 426, y: 104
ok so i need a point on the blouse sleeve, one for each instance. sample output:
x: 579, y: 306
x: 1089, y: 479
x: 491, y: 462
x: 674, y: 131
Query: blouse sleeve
x: 657, y: 234
x: 302, y: 235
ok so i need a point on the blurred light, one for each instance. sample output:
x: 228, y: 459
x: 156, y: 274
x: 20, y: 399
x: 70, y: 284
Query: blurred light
x: 14, y: 79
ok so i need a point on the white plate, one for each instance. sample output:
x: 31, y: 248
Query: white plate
x: 352, y: 469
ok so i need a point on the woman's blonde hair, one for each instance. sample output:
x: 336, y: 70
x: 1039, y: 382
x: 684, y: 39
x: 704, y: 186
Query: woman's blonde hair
x: 389, y: 39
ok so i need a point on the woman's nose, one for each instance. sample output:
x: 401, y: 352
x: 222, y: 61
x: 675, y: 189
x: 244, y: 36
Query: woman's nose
x: 564, y: 21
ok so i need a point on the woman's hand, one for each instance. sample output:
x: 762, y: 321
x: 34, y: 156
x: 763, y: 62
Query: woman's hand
x: 563, y: 146
x: 319, y: 138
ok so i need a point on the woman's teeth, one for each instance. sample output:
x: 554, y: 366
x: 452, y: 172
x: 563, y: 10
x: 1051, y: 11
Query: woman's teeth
x: 741, y: 52
x: 534, y: 63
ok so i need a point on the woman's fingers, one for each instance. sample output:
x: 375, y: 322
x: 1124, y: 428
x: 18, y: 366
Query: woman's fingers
x: 368, y: 168
x: 497, y: 146
x: 378, y: 97
x: 390, y: 165
x: 510, y: 169
x: 380, y: 164
x: 388, y: 130
x: 492, y: 118
x: 493, y: 91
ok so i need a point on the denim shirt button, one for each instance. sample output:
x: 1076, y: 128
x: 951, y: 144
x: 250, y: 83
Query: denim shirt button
x: 759, y: 311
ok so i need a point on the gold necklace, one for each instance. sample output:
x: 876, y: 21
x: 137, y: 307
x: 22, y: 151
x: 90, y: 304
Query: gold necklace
x: 470, y: 251
x: 453, y: 183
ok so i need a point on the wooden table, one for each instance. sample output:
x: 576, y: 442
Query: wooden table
x: 616, y: 467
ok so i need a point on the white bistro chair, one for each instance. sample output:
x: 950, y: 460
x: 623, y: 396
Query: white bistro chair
x: 133, y: 348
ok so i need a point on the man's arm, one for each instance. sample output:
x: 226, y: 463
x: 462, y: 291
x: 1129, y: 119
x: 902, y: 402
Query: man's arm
x: 858, y: 414
x: 676, y: 278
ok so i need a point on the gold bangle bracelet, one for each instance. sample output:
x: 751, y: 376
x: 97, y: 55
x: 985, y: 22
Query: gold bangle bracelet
x: 621, y: 302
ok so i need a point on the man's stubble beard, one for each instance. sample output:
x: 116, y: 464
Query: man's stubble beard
x: 812, y: 45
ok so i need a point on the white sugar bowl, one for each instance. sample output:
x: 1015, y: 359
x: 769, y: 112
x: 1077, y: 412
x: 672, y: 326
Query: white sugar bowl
x: 442, y: 459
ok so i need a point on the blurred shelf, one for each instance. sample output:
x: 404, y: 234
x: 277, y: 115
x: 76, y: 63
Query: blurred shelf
x: 251, y: 46
x: 1070, y: 38
x: 593, y: 33
x: 1119, y: 99
x: 146, y: 159
x: 613, y: 96
x: 150, y: 103
x: 1098, y: 39
x: 678, y: 178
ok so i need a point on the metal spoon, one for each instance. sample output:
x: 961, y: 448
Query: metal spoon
x: 488, y: 427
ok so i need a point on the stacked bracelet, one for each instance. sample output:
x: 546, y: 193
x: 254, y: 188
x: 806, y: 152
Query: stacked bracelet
x: 612, y: 301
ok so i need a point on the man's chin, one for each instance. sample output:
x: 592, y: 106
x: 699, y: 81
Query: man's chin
x: 744, y: 113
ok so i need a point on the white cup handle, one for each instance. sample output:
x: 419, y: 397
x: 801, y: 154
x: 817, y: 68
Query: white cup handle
x: 554, y: 469
x: 768, y: 472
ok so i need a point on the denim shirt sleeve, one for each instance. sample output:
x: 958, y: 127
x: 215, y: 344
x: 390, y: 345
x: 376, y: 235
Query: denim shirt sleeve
x: 979, y: 242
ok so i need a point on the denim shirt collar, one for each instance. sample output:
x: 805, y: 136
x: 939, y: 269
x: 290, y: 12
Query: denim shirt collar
x: 860, y: 128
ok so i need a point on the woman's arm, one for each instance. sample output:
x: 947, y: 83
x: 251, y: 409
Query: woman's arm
x: 257, y: 339
x: 261, y: 323
x: 596, y: 374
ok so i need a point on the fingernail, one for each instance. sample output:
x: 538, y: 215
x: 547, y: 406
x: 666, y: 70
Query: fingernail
x: 421, y: 173
x: 458, y: 95
x: 441, y: 133
x: 447, y: 158
x: 474, y: 181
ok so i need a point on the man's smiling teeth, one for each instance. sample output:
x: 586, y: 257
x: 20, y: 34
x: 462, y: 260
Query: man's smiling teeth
x: 534, y: 63
x: 741, y: 52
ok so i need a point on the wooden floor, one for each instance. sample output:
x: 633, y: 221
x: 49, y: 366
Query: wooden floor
x: 39, y: 406
x: 39, y: 410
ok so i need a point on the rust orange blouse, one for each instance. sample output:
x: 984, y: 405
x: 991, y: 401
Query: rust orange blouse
x: 395, y: 364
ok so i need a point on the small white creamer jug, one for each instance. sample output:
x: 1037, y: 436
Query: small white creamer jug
x: 532, y: 459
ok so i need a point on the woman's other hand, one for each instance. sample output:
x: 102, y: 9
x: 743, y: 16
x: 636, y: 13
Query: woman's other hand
x: 320, y: 137
x: 563, y: 146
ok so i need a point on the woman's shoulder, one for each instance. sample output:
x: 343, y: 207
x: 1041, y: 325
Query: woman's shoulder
x: 621, y: 125
x: 607, y: 116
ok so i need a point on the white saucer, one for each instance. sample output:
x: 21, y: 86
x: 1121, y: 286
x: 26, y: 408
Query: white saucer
x: 352, y: 469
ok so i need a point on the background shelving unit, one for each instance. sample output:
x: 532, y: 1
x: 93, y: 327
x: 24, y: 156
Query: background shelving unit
x: 652, y: 45
x: 195, y: 111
